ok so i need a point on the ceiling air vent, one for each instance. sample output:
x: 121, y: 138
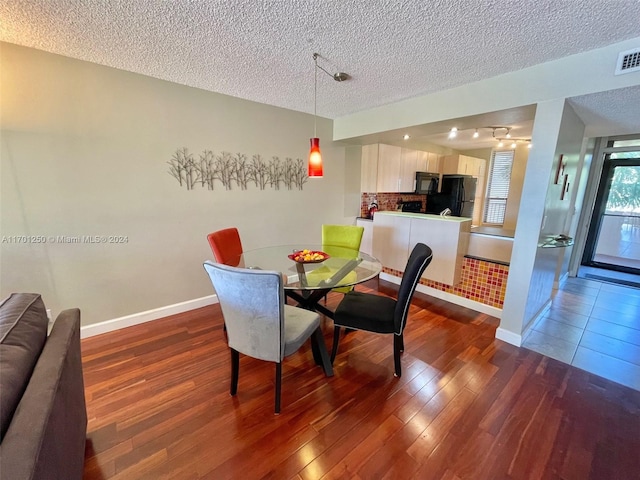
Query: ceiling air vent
x: 628, y: 61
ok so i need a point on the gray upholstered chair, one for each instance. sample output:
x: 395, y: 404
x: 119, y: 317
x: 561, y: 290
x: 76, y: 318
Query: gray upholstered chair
x: 380, y: 314
x: 260, y: 324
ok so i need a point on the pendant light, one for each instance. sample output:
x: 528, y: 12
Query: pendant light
x: 315, y: 157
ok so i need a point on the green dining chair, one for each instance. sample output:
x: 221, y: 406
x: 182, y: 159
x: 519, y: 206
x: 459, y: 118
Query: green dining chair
x: 343, y: 236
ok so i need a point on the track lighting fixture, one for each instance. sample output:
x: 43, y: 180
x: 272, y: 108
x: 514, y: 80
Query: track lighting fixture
x: 503, y: 139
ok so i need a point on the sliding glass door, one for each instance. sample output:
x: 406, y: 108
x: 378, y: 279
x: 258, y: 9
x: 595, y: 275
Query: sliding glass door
x: 613, y: 241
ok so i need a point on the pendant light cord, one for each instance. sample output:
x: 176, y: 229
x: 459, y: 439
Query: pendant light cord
x: 315, y: 94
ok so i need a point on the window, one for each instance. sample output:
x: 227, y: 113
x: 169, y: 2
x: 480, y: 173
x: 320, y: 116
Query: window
x: 498, y: 187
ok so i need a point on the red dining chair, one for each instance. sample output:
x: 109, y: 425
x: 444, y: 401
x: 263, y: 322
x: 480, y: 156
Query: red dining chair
x: 226, y: 246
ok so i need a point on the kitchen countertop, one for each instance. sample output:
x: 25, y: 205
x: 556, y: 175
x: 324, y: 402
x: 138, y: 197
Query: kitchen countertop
x: 425, y: 216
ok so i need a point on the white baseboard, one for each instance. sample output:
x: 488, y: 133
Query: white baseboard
x: 529, y: 326
x: 449, y: 297
x: 509, y: 337
x: 147, y: 316
x: 517, y: 339
x: 561, y: 281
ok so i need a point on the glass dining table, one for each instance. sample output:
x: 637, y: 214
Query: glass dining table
x: 306, y: 281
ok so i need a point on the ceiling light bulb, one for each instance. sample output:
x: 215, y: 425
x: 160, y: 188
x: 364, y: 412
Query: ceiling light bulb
x: 529, y: 146
x: 513, y: 145
x: 508, y: 133
x: 406, y: 136
x: 476, y: 134
x: 453, y: 132
x: 500, y: 144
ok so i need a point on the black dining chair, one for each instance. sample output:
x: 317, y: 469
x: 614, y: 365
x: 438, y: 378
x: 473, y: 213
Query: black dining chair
x: 380, y: 314
x: 259, y: 324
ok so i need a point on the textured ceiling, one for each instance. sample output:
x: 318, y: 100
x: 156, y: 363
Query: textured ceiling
x: 262, y: 50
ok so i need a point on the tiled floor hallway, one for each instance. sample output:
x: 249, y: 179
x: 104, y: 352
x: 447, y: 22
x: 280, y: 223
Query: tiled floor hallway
x: 594, y: 326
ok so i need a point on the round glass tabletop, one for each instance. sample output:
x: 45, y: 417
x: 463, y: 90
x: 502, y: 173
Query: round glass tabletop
x: 311, y: 267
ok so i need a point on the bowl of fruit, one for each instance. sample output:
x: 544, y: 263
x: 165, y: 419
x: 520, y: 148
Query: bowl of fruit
x: 308, y: 256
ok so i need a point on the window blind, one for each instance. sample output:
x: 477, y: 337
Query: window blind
x: 498, y: 187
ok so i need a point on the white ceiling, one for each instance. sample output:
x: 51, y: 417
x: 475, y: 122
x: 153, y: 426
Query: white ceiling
x: 262, y: 50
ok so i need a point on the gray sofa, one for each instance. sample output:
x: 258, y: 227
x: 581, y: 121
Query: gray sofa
x: 43, y: 416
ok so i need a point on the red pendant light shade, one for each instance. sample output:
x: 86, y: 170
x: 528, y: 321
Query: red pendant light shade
x: 315, y: 159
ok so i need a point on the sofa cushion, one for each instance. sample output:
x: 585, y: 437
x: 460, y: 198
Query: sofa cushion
x: 23, y: 332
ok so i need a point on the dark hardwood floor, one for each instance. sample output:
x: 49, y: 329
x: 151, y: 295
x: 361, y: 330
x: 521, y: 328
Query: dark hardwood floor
x: 467, y: 406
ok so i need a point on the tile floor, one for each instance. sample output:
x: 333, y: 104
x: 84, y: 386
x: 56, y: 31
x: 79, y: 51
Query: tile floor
x: 594, y: 326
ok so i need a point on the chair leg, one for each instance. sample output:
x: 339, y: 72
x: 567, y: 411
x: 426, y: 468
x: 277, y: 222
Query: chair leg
x: 401, y: 343
x: 235, y: 368
x: 320, y: 352
x: 336, y: 340
x: 397, y: 348
x: 278, y: 386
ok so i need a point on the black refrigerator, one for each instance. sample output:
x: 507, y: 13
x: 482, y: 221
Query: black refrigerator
x: 457, y: 194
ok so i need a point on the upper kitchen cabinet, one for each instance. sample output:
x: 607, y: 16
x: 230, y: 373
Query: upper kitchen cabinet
x: 388, y: 168
x: 407, y: 174
x: 369, y: 169
x: 464, y: 165
x: 389, y: 158
x: 427, y: 162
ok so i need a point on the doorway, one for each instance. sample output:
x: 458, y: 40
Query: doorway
x: 613, y: 239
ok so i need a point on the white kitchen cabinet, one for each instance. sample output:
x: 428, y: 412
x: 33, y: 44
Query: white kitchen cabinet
x: 407, y: 174
x: 396, y: 233
x: 463, y: 165
x: 390, y: 240
x: 366, y: 245
x: 389, y: 158
x: 449, y: 242
x: 427, y: 162
x: 369, y: 168
x: 396, y: 169
x: 433, y: 162
x: 422, y: 161
x: 472, y: 166
x: 388, y: 168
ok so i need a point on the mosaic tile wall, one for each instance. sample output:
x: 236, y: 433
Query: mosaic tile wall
x: 481, y: 281
x: 388, y: 201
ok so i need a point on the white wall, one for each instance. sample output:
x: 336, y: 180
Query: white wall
x: 85, y: 151
x: 557, y: 130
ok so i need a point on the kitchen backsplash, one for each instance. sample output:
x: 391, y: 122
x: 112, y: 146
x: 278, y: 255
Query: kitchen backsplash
x: 388, y: 201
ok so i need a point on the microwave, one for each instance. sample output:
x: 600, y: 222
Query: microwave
x: 427, y: 183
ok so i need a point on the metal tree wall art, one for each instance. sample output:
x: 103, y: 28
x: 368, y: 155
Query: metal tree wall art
x: 236, y: 170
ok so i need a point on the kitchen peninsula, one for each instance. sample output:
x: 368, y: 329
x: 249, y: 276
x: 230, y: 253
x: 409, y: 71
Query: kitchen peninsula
x: 395, y: 234
x: 470, y: 264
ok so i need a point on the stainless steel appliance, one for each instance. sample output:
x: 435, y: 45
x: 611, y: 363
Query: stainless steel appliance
x: 412, y: 206
x: 426, y: 183
x: 457, y: 194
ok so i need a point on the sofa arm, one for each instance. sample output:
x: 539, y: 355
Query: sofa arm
x: 46, y: 437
